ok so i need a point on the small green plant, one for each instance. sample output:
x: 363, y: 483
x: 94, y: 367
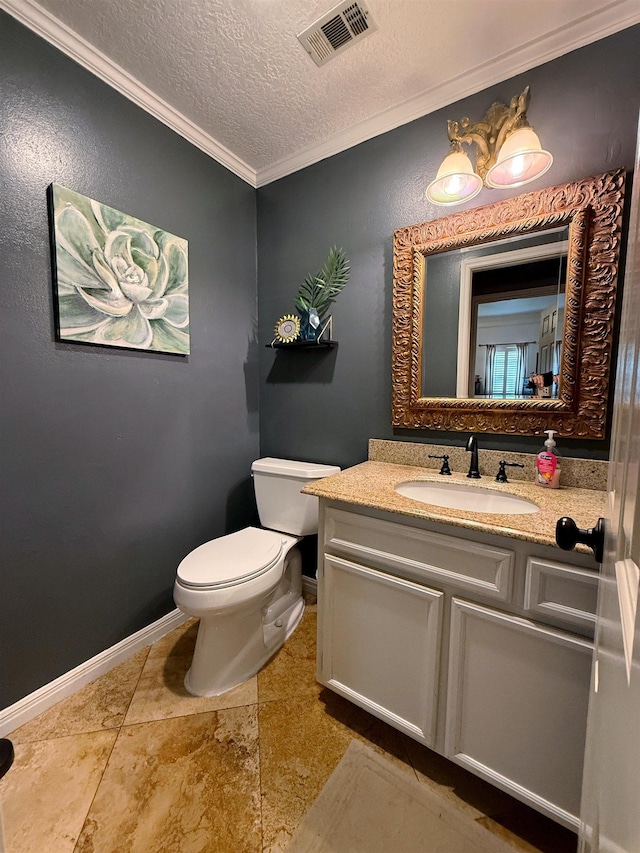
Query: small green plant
x: 321, y: 289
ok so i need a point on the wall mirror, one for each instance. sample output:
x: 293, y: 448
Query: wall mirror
x: 503, y: 314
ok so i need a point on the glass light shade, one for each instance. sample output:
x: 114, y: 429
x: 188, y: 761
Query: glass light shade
x: 520, y: 160
x: 455, y: 182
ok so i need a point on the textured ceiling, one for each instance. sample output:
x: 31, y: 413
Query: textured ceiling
x: 235, y: 70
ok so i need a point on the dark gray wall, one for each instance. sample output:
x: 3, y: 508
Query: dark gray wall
x: 324, y: 406
x: 114, y: 464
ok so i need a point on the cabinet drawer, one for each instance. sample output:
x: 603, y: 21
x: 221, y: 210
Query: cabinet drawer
x: 564, y: 592
x: 420, y: 554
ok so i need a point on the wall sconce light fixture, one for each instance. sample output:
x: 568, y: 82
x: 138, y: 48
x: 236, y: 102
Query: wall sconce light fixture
x: 509, y: 154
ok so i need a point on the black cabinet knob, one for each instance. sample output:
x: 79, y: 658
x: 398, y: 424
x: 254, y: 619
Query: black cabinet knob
x: 568, y: 534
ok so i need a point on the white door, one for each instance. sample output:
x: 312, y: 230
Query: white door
x: 610, y: 813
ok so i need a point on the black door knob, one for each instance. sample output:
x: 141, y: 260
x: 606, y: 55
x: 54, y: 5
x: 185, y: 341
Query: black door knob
x: 568, y: 534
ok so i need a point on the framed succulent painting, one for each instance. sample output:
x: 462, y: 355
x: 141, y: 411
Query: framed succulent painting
x: 118, y: 281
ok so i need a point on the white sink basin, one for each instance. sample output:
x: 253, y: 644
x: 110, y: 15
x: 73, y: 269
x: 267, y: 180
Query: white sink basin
x: 463, y: 496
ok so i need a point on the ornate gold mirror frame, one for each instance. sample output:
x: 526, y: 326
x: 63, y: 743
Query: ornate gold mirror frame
x: 592, y: 209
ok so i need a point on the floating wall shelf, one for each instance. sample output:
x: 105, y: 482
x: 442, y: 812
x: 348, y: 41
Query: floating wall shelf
x: 303, y: 345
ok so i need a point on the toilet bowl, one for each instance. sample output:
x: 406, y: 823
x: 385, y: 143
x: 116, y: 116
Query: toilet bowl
x: 246, y: 587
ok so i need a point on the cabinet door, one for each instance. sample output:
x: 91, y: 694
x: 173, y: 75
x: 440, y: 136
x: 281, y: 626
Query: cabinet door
x: 379, y: 644
x: 517, y: 706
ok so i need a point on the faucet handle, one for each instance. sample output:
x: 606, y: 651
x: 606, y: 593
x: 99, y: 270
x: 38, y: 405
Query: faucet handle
x: 501, y: 476
x: 445, y: 463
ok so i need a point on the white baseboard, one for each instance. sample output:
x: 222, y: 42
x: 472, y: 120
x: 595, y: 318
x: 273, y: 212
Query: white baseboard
x: 309, y: 585
x: 40, y: 700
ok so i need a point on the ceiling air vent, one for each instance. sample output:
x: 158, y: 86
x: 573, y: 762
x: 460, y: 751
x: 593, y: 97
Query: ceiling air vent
x: 345, y: 24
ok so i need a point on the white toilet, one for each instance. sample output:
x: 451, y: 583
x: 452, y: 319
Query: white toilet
x: 246, y: 588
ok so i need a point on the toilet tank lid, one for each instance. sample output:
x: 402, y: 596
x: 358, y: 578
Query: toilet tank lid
x: 289, y: 468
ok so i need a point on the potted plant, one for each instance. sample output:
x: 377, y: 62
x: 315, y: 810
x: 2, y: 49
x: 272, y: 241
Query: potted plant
x: 319, y: 291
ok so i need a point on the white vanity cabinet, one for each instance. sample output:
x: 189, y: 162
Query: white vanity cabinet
x: 479, y: 646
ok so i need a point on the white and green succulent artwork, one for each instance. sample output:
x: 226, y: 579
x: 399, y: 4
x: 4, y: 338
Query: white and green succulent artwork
x: 119, y: 281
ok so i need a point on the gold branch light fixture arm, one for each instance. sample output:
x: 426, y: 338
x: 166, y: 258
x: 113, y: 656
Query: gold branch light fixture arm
x: 509, y: 154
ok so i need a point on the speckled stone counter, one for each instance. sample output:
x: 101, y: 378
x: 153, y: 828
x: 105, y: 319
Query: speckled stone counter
x: 372, y: 484
x: 581, y: 473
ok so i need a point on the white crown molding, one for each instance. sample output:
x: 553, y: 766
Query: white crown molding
x: 609, y: 19
x: 70, y: 43
x: 42, y: 699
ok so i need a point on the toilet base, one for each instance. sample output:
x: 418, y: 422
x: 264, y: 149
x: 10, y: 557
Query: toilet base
x: 234, y: 641
x: 202, y: 680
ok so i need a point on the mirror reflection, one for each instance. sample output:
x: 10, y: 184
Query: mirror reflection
x: 507, y: 299
x: 518, y: 347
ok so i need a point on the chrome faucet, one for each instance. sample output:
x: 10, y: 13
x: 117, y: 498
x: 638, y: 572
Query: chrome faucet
x: 472, y: 448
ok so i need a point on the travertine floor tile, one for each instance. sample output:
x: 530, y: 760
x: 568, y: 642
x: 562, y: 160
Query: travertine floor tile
x: 195, y: 774
x: 161, y: 693
x: 187, y: 784
x: 292, y: 670
x: 302, y: 740
x: 179, y: 643
x: 47, y: 793
x: 102, y: 704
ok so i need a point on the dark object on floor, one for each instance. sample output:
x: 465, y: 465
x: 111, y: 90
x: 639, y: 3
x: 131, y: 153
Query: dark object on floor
x: 6, y: 755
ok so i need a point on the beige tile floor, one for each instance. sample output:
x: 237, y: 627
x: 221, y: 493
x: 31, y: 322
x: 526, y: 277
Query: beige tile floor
x: 133, y: 764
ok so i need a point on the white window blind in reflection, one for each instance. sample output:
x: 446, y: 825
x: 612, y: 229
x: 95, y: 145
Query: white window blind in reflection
x: 505, y: 371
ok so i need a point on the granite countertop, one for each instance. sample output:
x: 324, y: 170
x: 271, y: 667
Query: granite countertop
x: 371, y: 484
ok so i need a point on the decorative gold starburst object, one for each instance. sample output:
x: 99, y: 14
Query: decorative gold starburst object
x: 287, y: 329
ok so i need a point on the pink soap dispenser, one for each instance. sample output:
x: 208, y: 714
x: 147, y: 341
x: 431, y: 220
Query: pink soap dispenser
x: 548, y: 464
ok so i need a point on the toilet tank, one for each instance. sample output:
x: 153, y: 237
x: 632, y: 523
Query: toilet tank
x: 277, y: 483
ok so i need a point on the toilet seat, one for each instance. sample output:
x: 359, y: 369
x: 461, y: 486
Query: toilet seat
x: 231, y: 560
